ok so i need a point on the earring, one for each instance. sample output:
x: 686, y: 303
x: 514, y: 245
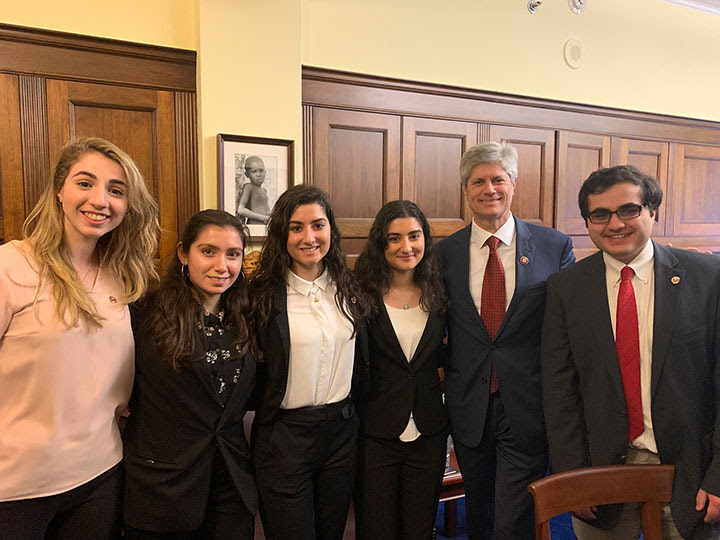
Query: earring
x: 242, y: 275
x: 183, y: 271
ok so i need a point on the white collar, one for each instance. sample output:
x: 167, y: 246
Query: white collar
x: 505, y: 234
x: 306, y: 287
x: 642, y: 264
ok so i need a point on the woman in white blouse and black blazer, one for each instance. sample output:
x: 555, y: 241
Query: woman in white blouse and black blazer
x: 404, y: 424
x: 310, y: 311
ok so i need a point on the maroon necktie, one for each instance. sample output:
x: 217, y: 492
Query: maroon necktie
x: 492, y: 303
x: 627, y: 342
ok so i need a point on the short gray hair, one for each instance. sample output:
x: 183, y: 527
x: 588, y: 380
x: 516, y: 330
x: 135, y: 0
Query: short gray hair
x: 489, y: 152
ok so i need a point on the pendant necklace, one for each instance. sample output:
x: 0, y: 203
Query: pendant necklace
x: 405, y: 305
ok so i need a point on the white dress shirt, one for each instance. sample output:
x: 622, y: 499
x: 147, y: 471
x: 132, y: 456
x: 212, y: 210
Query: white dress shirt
x: 479, y: 254
x: 409, y: 325
x: 322, y: 352
x: 643, y: 283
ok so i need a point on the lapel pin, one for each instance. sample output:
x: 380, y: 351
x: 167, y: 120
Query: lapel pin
x: 524, y: 260
x: 675, y: 280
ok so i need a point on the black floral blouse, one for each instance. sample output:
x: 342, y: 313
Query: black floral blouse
x: 223, y: 358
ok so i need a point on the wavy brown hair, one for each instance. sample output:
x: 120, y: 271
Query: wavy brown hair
x: 126, y: 251
x: 275, y: 260
x: 374, y: 273
x: 177, y: 306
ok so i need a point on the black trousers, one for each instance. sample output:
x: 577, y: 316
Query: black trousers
x: 496, y: 474
x: 305, y: 465
x: 226, y: 516
x: 398, y: 486
x: 92, y: 511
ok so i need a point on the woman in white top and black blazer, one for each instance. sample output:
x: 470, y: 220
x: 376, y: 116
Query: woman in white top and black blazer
x: 310, y: 312
x: 404, y: 424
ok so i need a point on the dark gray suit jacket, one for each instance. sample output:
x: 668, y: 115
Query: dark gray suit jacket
x: 584, y: 403
x: 515, y: 351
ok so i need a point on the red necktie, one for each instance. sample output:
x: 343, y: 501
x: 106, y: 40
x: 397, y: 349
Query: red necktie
x: 492, y: 303
x: 627, y: 342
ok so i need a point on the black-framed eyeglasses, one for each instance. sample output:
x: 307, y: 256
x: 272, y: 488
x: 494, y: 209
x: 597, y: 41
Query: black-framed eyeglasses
x: 625, y: 212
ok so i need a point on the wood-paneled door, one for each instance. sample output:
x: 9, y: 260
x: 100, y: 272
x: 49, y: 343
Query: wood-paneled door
x: 579, y: 154
x: 651, y: 158
x: 534, y: 191
x: 12, y: 195
x: 695, y: 190
x: 356, y: 159
x: 140, y: 121
x: 431, y: 151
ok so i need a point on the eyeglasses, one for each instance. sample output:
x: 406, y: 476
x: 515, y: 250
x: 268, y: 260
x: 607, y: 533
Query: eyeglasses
x: 625, y: 212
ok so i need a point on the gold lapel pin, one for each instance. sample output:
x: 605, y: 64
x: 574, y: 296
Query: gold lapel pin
x: 524, y: 260
x: 675, y: 280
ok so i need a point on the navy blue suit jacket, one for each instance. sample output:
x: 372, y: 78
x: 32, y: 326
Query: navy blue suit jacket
x: 515, y: 351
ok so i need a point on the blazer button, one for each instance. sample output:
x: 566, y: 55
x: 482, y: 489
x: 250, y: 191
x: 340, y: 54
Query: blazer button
x: 483, y: 380
x: 410, y: 377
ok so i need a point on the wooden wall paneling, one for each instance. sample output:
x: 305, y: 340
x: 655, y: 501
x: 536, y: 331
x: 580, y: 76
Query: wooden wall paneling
x: 33, y: 124
x: 330, y: 88
x: 12, y: 197
x: 61, y: 55
x: 307, y: 173
x: 140, y: 121
x: 695, y: 188
x: 535, y: 189
x: 356, y: 159
x: 431, y: 151
x: 651, y: 158
x: 186, y: 152
x: 579, y: 154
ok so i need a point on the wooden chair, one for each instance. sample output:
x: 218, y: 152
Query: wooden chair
x: 648, y: 485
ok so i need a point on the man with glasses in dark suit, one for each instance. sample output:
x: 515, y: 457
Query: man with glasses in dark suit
x: 631, y: 360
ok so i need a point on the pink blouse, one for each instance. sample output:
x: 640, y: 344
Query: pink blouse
x: 61, y: 389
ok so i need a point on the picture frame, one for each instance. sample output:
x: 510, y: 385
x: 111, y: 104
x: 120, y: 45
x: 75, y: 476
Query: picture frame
x: 252, y: 173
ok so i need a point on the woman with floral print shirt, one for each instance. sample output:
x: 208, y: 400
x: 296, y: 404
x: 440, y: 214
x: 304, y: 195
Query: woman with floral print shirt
x: 186, y: 456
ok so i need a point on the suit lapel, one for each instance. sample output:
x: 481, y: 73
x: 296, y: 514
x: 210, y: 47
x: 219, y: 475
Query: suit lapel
x: 241, y: 389
x: 667, y: 298
x: 281, y: 320
x: 389, y: 337
x: 420, y: 355
x: 524, y: 247
x: 461, y: 257
x: 202, y: 370
x: 598, y: 313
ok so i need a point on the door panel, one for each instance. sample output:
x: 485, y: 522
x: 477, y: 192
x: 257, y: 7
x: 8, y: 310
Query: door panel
x: 139, y: 121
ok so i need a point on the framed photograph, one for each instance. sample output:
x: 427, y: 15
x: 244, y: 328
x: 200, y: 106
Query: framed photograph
x: 252, y: 173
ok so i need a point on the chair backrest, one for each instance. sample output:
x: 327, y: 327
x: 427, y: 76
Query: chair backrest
x: 648, y: 485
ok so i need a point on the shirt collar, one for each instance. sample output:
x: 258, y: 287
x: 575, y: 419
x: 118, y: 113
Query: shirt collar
x: 642, y: 264
x: 304, y: 287
x: 505, y: 234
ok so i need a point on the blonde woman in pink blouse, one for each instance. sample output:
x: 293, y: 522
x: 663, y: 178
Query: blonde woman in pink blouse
x: 66, y: 347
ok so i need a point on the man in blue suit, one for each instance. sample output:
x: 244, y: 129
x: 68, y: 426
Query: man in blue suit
x: 495, y: 271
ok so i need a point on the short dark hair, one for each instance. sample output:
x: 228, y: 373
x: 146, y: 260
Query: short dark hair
x: 603, y: 179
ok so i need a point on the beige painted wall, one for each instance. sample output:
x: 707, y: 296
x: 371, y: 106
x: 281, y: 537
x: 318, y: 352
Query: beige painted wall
x: 646, y: 55
x: 170, y: 23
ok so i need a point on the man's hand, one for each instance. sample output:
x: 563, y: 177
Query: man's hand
x: 712, y: 502
x: 586, y: 513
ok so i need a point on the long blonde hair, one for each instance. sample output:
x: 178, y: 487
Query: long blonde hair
x: 126, y: 251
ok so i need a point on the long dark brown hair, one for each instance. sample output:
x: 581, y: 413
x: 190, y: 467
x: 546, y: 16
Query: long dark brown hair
x: 374, y: 273
x: 275, y: 260
x: 177, y: 306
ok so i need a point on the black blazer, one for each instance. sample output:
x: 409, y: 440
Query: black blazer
x: 582, y: 386
x: 176, y: 423
x: 515, y: 351
x: 398, y: 387
x: 274, y: 340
